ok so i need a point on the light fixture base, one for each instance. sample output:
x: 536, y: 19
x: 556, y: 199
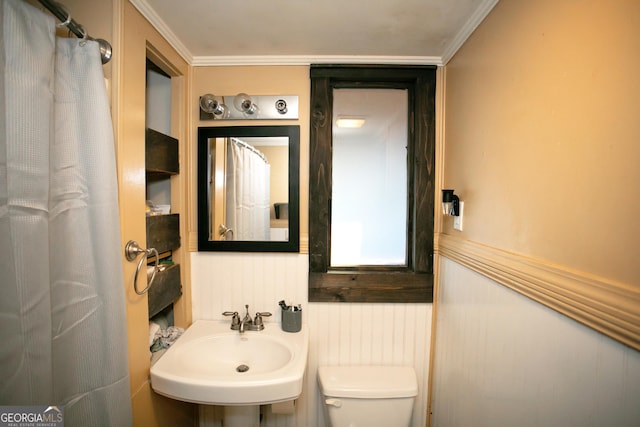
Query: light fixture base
x: 457, y: 220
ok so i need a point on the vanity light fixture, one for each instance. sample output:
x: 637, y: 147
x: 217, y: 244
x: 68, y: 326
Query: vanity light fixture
x: 350, y: 122
x: 209, y: 104
x: 245, y: 107
x: 450, y: 203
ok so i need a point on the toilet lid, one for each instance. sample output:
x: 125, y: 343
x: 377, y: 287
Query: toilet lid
x: 372, y: 382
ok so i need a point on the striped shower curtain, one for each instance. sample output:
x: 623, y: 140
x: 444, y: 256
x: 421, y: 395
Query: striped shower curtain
x: 62, y: 307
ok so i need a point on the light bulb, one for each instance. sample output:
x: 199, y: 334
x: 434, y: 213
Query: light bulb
x: 243, y: 103
x: 209, y: 104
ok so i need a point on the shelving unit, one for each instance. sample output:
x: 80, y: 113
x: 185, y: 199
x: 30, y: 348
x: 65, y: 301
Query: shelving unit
x: 163, y: 231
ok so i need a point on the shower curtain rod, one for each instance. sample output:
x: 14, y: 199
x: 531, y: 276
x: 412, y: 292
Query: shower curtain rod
x: 250, y: 148
x: 60, y: 12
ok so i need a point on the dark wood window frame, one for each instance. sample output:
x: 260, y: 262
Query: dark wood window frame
x: 413, y: 283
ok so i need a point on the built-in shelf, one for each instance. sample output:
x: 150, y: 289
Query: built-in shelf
x: 163, y: 231
x: 161, y: 153
x: 165, y: 290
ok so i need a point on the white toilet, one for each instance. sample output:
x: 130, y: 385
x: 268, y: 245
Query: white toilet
x: 368, y: 396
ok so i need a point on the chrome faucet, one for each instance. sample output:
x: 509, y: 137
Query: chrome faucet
x: 246, y: 320
x: 246, y: 323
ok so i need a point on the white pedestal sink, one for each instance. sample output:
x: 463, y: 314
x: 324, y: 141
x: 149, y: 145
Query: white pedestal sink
x: 211, y: 364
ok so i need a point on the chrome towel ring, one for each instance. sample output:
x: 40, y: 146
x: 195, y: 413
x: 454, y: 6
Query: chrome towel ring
x: 131, y: 251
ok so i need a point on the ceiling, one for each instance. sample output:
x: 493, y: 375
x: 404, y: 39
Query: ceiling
x: 230, y: 32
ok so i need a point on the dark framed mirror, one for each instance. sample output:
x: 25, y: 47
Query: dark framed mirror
x: 249, y: 188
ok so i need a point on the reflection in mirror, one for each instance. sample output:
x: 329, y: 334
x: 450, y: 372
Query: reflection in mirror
x: 254, y: 183
x: 248, y: 188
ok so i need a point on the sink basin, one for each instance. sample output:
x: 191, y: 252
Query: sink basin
x: 211, y: 364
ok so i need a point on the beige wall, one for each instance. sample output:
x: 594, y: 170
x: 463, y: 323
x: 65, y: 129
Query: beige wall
x: 257, y: 80
x: 542, y: 133
x: 541, y: 142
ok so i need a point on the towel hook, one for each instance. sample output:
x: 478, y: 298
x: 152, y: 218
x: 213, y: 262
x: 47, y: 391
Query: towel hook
x: 131, y: 251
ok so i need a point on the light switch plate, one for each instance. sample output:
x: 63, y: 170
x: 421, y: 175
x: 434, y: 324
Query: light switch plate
x: 457, y: 220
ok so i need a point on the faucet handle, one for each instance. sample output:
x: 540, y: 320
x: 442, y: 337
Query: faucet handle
x: 235, y: 320
x: 263, y: 314
x: 258, y: 321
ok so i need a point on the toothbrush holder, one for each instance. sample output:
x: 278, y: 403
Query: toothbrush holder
x: 292, y: 320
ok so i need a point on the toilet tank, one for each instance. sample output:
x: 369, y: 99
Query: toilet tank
x: 359, y: 396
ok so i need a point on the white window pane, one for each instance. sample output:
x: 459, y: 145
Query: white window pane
x: 369, y: 182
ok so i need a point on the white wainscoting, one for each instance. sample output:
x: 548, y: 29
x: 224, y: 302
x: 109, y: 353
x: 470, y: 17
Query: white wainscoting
x: 503, y: 360
x: 340, y: 333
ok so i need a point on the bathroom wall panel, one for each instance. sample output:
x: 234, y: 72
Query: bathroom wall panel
x: 228, y: 281
x: 502, y: 360
x: 370, y: 334
x: 340, y: 334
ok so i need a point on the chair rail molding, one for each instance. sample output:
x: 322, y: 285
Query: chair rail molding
x: 608, y: 307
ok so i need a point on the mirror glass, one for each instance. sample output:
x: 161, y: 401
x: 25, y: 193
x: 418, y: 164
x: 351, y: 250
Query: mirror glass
x: 248, y: 188
x: 369, y: 177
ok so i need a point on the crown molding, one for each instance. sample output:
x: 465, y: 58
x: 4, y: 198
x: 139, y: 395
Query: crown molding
x: 154, y: 19
x: 472, y: 23
x: 204, y: 61
x: 608, y: 307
